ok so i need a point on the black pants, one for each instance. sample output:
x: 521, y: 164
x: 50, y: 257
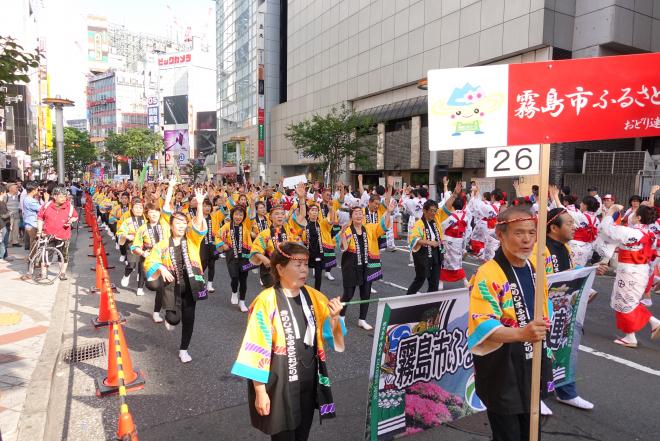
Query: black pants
x: 133, y: 262
x: 433, y: 279
x: 307, y: 409
x: 113, y: 228
x: 208, y: 261
x: 122, y: 248
x: 510, y: 427
x: 365, y: 294
x: 239, y: 284
x: 158, y: 302
x: 318, y: 272
x: 187, y: 319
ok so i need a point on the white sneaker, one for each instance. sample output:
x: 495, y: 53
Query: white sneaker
x: 234, y: 298
x: 364, y: 325
x: 157, y: 318
x: 140, y: 292
x: 209, y: 287
x: 329, y: 276
x: 122, y: 258
x: 185, y: 357
x: 578, y: 402
x: 545, y: 410
x: 223, y: 255
x: 255, y: 271
x: 646, y: 302
x: 411, y: 265
x: 125, y: 280
x: 373, y: 291
x: 260, y: 282
x: 117, y: 247
x: 169, y: 327
x: 241, y: 305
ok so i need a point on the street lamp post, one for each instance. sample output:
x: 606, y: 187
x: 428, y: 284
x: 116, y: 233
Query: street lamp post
x: 58, y: 104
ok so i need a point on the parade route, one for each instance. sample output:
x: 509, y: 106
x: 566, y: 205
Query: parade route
x: 201, y: 401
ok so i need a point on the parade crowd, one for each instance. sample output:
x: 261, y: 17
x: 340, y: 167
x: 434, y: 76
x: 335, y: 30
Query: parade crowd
x: 170, y: 236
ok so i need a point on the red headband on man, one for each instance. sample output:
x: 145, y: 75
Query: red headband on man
x: 518, y: 219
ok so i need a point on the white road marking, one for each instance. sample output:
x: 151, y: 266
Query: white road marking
x: 620, y: 360
x: 471, y: 264
x: 394, y: 285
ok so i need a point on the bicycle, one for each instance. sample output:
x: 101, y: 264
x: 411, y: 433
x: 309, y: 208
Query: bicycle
x: 45, y: 262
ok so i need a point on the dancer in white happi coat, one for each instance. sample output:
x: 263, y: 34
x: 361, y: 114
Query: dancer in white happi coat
x: 586, y: 233
x: 456, y: 233
x: 636, y: 250
x: 488, y: 211
x: 603, y: 245
x: 480, y: 229
x: 414, y: 207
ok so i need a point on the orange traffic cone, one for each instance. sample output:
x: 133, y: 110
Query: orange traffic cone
x: 127, y: 430
x: 118, y: 359
x: 107, y: 309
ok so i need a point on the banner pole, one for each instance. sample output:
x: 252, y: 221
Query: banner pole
x: 539, y: 297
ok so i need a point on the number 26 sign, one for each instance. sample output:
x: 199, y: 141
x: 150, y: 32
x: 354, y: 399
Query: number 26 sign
x: 518, y: 160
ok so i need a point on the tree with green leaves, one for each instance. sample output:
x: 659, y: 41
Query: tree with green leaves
x: 141, y: 144
x: 115, y: 145
x: 334, y: 139
x: 15, y: 63
x: 79, y: 152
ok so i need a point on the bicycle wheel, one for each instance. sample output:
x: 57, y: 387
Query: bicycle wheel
x: 51, y: 266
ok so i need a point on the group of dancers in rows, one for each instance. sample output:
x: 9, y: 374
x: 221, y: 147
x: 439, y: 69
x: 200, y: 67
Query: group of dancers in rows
x: 172, y: 241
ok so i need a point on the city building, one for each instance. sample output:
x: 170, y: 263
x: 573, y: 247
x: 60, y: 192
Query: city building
x: 80, y: 124
x: 186, y: 102
x: 21, y: 114
x: 372, y: 55
x: 115, y: 102
x: 251, y: 37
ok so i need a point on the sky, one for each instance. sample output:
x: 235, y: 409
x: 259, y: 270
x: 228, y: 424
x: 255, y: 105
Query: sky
x: 64, y: 26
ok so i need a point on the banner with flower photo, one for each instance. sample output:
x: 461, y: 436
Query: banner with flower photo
x: 421, y: 372
x: 569, y: 293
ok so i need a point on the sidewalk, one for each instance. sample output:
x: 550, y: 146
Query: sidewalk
x: 25, y: 318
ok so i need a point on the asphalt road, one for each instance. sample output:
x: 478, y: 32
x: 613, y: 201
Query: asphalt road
x: 201, y: 401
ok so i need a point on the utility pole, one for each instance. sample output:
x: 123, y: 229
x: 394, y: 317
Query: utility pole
x: 58, y: 104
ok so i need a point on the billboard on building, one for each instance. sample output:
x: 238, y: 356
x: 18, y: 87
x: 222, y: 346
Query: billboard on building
x: 205, y: 142
x: 177, y: 146
x: 206, y: 120
x: 175, y: 109
x: 98, y: 44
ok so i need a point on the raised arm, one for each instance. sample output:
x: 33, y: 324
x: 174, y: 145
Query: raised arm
x: 168, y: 196
x: 301, y: 191
x: 199, y: 222
x: 450, y: 201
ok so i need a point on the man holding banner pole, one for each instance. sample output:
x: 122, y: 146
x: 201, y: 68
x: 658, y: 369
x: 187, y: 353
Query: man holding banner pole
x: 502, y: 328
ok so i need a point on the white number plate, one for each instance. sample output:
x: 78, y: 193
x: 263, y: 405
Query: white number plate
x: 517, y: 160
